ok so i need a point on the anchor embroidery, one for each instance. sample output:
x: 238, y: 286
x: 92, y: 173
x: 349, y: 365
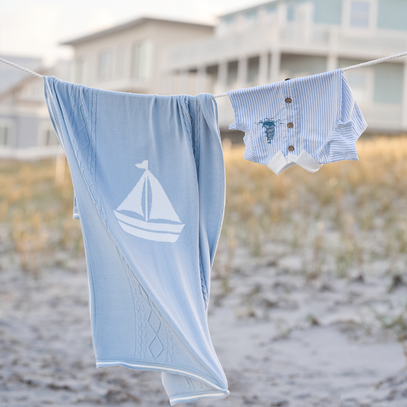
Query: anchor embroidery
x: 269, y: 126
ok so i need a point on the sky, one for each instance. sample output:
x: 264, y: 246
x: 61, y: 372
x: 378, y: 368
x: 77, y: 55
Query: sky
x: 35, y: 27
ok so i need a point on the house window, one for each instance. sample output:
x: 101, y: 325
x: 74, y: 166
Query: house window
x: 361, y: 83
x: 360, y: 14
x: 251, y: 15
x: 290, y: 13
x: 253, y: 70
x: 120, y: 61
x: 142, y: 60
x: 47, y: 135
x: 50, y: 138
x: 271, y: 8
x: 232, y: 72
x: 229, y: 20
x: 104, y: 64
x: 6, y: 134
x: 304, y: 13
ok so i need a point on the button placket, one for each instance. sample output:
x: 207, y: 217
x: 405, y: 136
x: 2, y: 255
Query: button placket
x: 288, y: 101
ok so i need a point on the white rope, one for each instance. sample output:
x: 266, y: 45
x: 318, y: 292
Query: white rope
x: 20, y: 67
x: 220, y: 95
x: 376, y: 61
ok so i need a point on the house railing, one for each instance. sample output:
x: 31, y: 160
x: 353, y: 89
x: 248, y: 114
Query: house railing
x: 297, y: 38
x: 31, y: 153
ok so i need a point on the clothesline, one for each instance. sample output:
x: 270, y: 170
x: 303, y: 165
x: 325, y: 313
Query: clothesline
x: 374, y: 62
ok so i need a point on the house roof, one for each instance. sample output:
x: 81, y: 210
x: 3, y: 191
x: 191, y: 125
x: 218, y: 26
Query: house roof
x: 21, y: 82
x: 126, y: 26
x: 243, y: 10
x: 10, y: 76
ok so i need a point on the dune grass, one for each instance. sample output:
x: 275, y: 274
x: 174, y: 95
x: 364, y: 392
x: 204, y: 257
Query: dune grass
x: 352, y: 201
x: 344, y: 216
x: 346, y: 221
x: 36, y: 214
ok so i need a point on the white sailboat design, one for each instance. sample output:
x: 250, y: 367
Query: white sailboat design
x: 160, y: 207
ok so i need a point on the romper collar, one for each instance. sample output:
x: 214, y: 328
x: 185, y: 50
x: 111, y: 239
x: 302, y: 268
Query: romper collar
x: 279, y: 163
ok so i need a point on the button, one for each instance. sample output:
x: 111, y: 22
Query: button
x: 290, y: 125
x: 288, y: 100
x: 290, y: 148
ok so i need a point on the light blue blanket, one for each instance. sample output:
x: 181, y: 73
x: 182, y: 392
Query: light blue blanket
x: 148, y: 175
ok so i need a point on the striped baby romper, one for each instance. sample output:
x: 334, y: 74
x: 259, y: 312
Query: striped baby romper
x: 306, y: 121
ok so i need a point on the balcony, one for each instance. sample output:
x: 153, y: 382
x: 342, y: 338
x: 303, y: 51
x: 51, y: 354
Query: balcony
x: 294, y: 38
x: 221, y: 63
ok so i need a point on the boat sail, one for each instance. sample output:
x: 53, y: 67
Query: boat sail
x: 158, y: 207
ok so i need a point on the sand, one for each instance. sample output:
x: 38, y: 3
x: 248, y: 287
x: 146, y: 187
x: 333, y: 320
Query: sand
x: 283, y: 338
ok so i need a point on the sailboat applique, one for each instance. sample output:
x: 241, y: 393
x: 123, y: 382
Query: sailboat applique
x: 158, y: 207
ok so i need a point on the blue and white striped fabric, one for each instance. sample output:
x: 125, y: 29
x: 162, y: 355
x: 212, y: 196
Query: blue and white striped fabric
x: 306, y: 121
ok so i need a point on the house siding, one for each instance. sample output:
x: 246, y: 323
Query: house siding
x: 388, y: 83
x: 325, y: 11
x: 328, y: 12
x: 26, y: 131
x: 392, y: 14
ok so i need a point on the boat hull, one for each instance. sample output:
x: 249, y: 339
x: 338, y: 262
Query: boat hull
x: 159, y: 232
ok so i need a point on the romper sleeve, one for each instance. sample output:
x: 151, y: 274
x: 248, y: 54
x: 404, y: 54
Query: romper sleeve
x: 351, y: 124
x: 238, y: 101
x: 243, y: 102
